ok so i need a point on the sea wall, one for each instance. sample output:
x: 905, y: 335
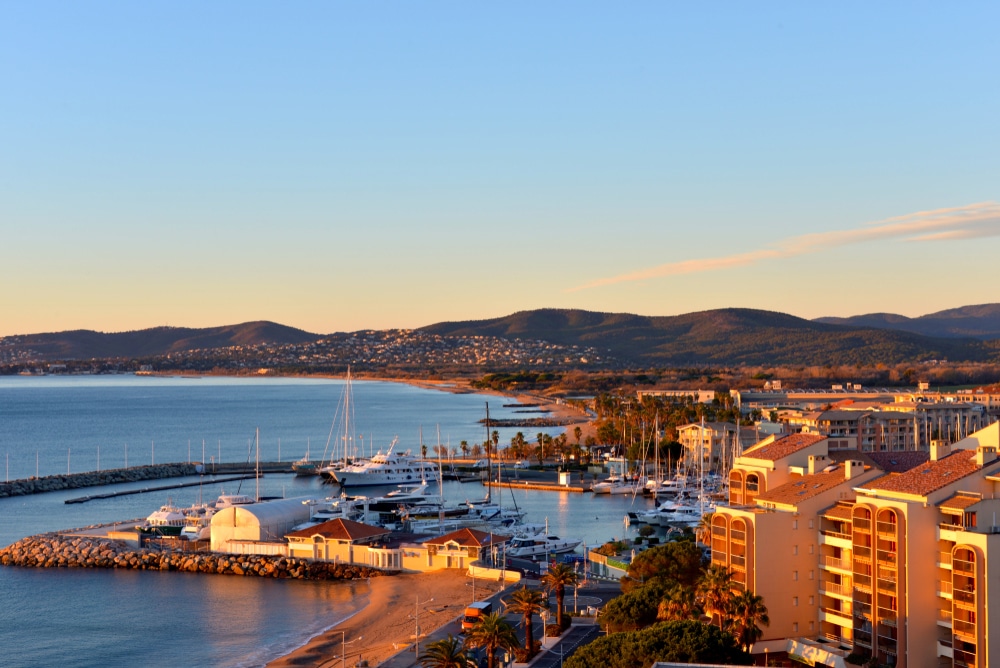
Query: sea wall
x: 54, y: 483
x: 56, y: 551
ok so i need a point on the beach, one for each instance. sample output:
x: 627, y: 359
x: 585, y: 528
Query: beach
x: 386, y: 624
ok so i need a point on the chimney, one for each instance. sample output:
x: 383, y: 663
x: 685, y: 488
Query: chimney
x: 984, y: 455
x: 939, y: 450
x: 853, y: 468
x: 816, y: 463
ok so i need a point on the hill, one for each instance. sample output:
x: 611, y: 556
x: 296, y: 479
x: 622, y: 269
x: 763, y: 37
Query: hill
x: 724, y: 336
x: 979, y: 322
x: 86, y: 344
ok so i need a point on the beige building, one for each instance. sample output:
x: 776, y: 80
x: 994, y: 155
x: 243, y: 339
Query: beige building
x: 852, y: 559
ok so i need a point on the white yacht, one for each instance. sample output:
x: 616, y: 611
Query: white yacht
x: 539, y: 545
x: 387, y: 469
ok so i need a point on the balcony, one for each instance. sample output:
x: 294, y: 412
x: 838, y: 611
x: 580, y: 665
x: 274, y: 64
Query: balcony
x: 945, y: 649
x: 835, y: 539
x: 862, y: 552
x: 887, y: 617
x: 839, y: 564
x: 950, y: 532
x: 944, y: 560
x: 862, y: 525
x: 834, y: 616
x: 738, y: 537
x: 841, y: 591
x: 963, y: 566
x: 964, y: 630
x: 944, y: 618
x: 886, y: 556
x: 944, y: 590
x: 966, y: 598
x: 889, y: 529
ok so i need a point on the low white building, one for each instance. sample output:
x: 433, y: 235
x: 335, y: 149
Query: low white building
x: 267, y: 521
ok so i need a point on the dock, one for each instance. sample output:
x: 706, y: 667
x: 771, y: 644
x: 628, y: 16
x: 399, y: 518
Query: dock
x: 127, y: 492
x: 543, y: 486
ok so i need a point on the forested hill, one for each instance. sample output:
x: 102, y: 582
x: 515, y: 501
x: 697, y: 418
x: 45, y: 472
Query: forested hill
x: 88, y: 344
x: 724, y: 336
x: 979, y: 322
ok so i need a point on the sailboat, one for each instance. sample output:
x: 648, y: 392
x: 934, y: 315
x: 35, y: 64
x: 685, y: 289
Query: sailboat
x: 340, y: 456
x: 305, y: 467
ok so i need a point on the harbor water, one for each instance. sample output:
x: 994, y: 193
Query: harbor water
x: 81, y: 617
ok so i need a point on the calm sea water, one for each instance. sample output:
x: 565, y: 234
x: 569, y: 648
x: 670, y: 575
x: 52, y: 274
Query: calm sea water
x: 98, y: 618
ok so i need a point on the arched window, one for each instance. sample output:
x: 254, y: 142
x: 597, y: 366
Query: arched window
x: 736, y: 493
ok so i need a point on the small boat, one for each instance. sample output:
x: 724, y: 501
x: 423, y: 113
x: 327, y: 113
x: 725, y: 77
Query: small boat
x: 304, y: 467
x: 198, y: 525
x: 230, y: 500
x: 167, y: 521
x: 540, y: 545
x: 613, y: 485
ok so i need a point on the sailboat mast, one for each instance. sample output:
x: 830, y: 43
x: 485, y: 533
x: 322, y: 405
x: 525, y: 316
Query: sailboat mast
x: 489, y: 471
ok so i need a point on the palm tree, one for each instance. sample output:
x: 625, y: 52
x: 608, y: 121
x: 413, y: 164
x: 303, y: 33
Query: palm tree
x: 715, y: 592
x: 527, y: 603
x: 703, y: 532
x: 558, y: 577
x: 445, y: 653
x: 679, y: 604
x: 464, y: 445
x: 749, y: 611
x: 491, y: 632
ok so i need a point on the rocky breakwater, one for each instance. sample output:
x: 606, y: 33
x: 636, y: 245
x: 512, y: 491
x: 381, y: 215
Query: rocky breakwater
x: 54, y: 483
x: 55, y: 551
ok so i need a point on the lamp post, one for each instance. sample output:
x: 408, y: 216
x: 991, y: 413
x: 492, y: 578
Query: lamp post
x: 343, y: 648
x: 416, y: 624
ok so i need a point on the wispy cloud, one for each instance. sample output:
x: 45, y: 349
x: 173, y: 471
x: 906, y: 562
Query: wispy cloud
x: 964, y: 222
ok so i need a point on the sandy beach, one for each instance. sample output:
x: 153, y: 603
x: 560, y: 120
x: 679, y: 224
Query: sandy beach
x: 386, y: 624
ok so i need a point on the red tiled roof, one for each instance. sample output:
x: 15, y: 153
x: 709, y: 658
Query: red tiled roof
x: 898, y: 462
x: 838, y: 512
x: 932, y: 476
x: 783, y: 446
x: 468, y: 538
x: 960, y: 502
x: 340, y: 530
x: 803, y: 487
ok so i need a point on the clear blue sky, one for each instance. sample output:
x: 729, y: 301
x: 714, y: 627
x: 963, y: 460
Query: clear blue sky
x: 349, y: 165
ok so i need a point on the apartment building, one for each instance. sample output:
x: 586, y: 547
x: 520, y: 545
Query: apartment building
x: 854, y: 559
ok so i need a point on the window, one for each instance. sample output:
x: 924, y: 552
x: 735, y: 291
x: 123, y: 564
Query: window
x: 795, y: 576
x: 795, y: 525
x: 795, y: 602
x: 795, y: 549
x: 810, y: 524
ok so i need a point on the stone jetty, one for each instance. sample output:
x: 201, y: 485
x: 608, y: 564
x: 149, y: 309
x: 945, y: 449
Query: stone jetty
x: 55, y: 483
x: 58, y: 551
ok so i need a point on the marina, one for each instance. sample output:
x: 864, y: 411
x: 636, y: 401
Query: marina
x: 264, y: 618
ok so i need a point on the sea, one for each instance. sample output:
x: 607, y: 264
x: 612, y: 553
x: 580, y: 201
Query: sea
x: 52, y: 425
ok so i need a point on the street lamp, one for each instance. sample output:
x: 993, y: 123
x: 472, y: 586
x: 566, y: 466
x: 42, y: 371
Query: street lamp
x: 416, y: 623
x: 343, y: 647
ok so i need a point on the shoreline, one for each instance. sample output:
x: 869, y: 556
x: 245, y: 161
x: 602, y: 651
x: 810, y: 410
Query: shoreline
x: 385, y: 625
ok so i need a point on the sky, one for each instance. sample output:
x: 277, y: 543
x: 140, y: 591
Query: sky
x: 337, y: 166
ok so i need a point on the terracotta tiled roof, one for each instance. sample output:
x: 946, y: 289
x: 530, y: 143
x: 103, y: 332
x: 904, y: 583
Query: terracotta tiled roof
x: 898, y: 462
x: 803, y: 487
x: 838, y: 512
x: 783, y: 447
x: 340, y: 530
x: 468, y: 538
x: 924, y: 479
x: 960, y: 502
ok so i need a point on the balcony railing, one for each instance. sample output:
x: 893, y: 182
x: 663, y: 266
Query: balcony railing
x: 944, y: 526
x: 963, y: 566
x: 862, y: 552
x: 738, y: 536
x: 861, y: 524
x: 966, y: 630
x: 944, y: 559
x: 887, y: 528
x: 836, y: 562
x: 886, y: 556
x: 961, y: 596
x: 836, y: 534
x: 834, y: 588
x: 944, y: 588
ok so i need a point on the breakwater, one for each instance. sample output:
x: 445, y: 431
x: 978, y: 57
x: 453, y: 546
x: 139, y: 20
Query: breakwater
x: 55, y: 483
x: 57, y: 551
